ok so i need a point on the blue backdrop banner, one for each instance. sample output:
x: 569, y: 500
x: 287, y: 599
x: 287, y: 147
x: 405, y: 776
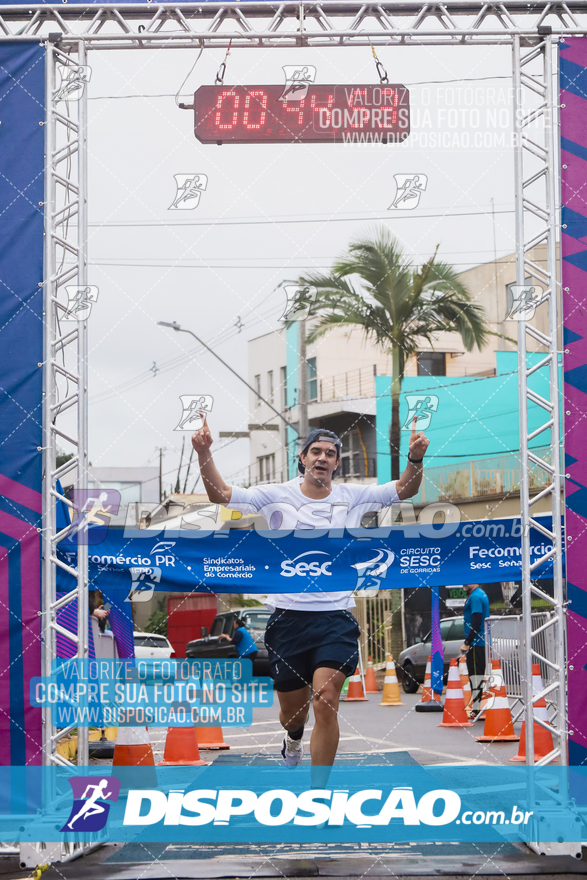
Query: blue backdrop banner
x: 308, y: 560
x: 22, y: 147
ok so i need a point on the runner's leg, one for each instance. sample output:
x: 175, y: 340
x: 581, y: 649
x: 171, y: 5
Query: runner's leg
x: 327, y: 685
x: 476, y: 668
x: 294, y: 707
x: 294, y: 712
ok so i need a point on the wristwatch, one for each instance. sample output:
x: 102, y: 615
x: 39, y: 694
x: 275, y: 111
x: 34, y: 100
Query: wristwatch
x: 415, y: 460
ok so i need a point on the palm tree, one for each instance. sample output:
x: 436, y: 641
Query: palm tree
x: 397, y: 304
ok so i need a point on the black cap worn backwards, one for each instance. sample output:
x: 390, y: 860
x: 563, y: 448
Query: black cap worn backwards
x: 315, y: 436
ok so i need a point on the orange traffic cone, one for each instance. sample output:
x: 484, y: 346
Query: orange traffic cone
x: 181, y: 748
x: 370, y: 680
x: 430, y: 701
x: 133, y: 748
x: 355, y: 691
x: 499, y: 726
x: 211, y: 738
x: 133, y: 756
x: 543, y: 743
x: 465, y: 683
x: 391, y: 696
x: 486, y: 696
x: 454, y: 704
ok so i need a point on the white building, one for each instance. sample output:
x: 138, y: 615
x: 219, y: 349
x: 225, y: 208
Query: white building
x: 135, y: 484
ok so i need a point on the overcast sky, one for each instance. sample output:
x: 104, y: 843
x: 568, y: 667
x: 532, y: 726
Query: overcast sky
x: 205, y: 268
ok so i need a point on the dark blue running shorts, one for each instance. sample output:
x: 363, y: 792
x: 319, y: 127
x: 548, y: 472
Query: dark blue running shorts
x: 299, y: 642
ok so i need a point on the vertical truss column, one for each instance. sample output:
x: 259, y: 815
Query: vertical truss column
x: 535, y: 115
x: 65, y: 359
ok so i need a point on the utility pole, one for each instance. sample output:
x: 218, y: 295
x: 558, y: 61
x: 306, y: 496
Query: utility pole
x: 161, y: 451
x: 302, y: 385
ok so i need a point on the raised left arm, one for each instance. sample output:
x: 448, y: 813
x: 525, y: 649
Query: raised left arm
x: 409, y: 482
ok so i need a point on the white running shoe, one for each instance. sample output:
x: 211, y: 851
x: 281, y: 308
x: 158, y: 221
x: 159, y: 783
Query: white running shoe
x: 292, y: 751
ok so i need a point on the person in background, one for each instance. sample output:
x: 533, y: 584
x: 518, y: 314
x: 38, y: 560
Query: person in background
x: 476, y: 611
x: 242, y: 640
x: 98, y: 610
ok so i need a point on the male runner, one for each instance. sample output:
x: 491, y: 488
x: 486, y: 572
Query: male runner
x: 311, y: 637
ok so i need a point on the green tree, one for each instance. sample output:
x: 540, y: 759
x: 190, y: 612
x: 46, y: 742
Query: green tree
x: 157, y: 622
x: 376, y: 286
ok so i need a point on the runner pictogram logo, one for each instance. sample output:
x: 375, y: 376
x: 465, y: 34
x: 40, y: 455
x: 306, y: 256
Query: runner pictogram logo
x: 90, y: 802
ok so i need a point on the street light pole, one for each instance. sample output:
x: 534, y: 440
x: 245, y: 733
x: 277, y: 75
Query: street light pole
x: 180, y: 329
x: 302, y: 384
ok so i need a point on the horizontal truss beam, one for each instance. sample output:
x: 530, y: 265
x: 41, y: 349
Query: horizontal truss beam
x: 293, y: 23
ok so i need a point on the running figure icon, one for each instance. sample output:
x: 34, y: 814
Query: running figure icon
x: 420, y: 407
x: 192, y: 407
x: 189, y: 188
x: 91, y: 807
x: 297, y: 82
x: 409, y: 189
x: 98, y: 514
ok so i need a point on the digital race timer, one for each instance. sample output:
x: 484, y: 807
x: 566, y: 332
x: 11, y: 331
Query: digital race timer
x: 328, y: 114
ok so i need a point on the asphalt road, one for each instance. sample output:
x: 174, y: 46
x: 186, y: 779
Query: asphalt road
x: 368, y: 729
x: 368, y: 732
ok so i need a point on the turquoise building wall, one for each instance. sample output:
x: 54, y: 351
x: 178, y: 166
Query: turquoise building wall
x: 476, y: 417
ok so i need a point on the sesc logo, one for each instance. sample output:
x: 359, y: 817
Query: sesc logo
x: 314, y: 567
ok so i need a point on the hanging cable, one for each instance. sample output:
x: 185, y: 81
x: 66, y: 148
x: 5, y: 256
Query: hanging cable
x: 381, y: 71
x: 219, y: 81
x: 179, y: 104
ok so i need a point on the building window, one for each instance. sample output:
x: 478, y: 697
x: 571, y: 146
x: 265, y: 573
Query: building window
x: 257, y: 387
x: 283, y: 374
x: 267, y: 468
x: 312, y: 380
x: 355, y: 461
x: 270, y: 386
x: 431, y: 363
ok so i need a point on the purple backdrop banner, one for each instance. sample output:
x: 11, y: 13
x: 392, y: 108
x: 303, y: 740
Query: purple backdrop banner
x: 573, y: 113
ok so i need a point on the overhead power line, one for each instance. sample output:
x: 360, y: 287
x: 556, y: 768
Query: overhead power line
x: 177, y: 361
x: 429, y: 82
x: 391, y: 215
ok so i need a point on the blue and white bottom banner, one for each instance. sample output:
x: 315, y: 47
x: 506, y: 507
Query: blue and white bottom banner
x: 265, y: 804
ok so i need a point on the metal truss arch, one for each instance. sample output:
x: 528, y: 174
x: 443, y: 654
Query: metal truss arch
x: 70, y: 30
x: 291, y: 23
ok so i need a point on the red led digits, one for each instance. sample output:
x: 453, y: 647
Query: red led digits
x: 226, y: 93
x: 324, y: 114
x: 261, y: 106
x: 294, y: 107
x: 390, y: 96
x: 327, y: 114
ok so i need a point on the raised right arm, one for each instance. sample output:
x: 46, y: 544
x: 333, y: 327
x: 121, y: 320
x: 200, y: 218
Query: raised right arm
x: 217, y: 490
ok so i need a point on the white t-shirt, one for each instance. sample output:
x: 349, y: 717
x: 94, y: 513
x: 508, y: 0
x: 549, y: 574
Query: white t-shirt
x: 286, y: 507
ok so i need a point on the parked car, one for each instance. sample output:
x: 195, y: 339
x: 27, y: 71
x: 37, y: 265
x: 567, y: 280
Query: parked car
x: 210, y: 645
x: 152, y: 646
x: 412, y: 661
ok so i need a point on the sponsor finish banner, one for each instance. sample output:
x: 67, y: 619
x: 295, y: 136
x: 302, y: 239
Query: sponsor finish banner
x: 308, y: 560
x: 257, y: 804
